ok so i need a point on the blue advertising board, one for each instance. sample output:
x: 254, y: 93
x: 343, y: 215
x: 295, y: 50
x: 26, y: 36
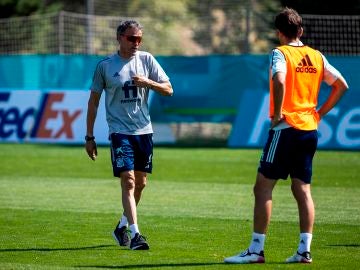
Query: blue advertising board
x: 44, y: 97
x: 339, y: 129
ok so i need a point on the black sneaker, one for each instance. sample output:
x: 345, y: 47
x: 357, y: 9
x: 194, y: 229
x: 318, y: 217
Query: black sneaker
x: 121, y: 236
x: 139, y: 242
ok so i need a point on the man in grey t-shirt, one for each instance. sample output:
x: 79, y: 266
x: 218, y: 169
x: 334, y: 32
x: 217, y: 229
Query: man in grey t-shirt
x: 126, y: 77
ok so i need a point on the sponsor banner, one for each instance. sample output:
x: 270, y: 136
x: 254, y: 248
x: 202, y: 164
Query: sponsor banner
x: 339, y: 129
x: 55, y: 117
x: 43, y: 98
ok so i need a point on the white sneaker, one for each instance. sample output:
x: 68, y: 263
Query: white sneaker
x: 304, y: 257
x: 246, y: 257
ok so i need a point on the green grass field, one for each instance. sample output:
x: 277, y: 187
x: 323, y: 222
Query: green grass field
x: 58, y: 209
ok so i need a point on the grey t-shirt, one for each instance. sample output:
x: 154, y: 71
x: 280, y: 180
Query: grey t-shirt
x: 127, y: 110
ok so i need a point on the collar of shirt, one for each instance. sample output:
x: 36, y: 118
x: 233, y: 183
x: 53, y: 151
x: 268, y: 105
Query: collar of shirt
x: 296, y: 43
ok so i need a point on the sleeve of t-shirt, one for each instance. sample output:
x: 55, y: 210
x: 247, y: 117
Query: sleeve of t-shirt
x: 331, y: 74
x: 156, y: 72
x: 277, y: 62
x: 98, y: 82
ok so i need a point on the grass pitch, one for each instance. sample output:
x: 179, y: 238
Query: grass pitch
x: 58, y: 209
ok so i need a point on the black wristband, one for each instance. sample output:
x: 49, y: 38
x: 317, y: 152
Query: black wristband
x: 89, y: 138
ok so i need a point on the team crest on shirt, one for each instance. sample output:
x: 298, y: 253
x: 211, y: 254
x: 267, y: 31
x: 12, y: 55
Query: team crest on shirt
x: 130, y: 92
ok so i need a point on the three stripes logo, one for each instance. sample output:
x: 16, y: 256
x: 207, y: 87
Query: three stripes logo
x: 273, y: 146
x: 306, y: 66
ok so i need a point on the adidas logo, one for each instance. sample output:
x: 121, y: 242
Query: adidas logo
x: 306, y: 66
x: 116, y: 74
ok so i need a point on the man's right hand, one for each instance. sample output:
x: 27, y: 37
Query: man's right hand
x: 91, y: 149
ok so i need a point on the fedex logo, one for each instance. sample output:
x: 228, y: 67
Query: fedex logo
x: 46, y: 121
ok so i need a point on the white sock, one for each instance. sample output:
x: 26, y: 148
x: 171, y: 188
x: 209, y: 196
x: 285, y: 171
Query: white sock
x: 123, y: 221
x: 257, y: 242
x: 305, y: 242
x: 133, y: 230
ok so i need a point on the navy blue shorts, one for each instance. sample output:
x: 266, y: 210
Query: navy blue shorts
x: 131, y: 152
x: 289, y: 152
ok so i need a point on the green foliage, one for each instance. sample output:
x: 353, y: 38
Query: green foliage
x: 234, y: 27
x: 13, y: 8
x: 25, y: 7
x: 179, y: 27
x: 16, y: 8
x: 162, y: 10
x: 216, y: 26
x: 164, y: 23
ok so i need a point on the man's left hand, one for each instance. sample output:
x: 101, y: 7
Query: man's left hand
x: 141, y: 81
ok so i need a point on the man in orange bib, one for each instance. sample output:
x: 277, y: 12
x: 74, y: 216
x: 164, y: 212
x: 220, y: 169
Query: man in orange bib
x: 296, y: 73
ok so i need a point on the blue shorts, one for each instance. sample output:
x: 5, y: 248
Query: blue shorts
x: 289, y: 152
x: 131, y: 152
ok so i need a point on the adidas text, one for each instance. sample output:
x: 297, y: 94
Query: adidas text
x: 306, y: 69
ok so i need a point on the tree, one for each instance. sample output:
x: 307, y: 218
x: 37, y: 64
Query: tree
x: 228, y: 27
x: 165, y: 24
x: 16, y: 8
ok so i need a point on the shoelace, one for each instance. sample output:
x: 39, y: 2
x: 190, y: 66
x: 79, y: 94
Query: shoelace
x: 245, y: 253
x: 127, y: 231
x: 141, y: 237
x: 248, y: 253
x: 305, y: 255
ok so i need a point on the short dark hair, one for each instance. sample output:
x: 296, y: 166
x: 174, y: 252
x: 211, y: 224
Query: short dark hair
x: 127, y: 24
x: 289, y: 22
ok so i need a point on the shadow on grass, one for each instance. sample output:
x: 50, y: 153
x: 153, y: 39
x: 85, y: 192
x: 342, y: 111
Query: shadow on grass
x: 137, y: 266
x: 141, y: 266
x: 52, y: 249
